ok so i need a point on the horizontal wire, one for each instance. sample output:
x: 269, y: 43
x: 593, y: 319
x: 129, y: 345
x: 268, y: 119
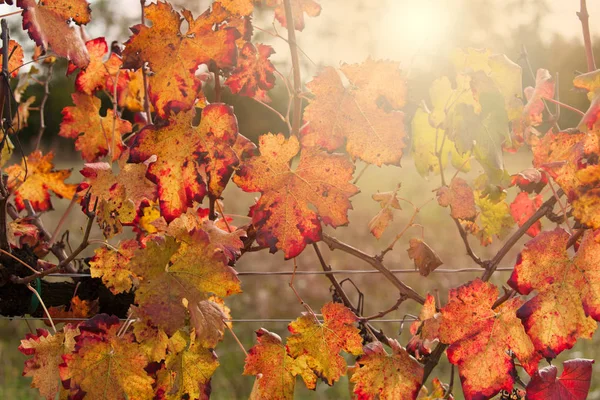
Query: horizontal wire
x: 409, y: 319
x: 334, y: 272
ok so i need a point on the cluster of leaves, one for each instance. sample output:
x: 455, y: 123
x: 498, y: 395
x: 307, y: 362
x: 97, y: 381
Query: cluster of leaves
x: 154, y: 173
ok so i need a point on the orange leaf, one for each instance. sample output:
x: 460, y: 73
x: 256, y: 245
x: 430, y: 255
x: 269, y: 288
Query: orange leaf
x: 47, y: 351
x: 299, y: 7
x: 77, y: 10
x: 240, y: 7
x: 194, y: 273
x: 120, y: 196
x: 254, y: 71
x: 188, y: 367
x: 283, y: 216
x: 276, y: 371
x: 105, y: 364
x: 45, y: 24
x: 111, y: 266
x: 94, y: 135
x: 40, y: 180
x: 359, y: 109
x: 425, y: 258
x: 568, y: 290
x: 15, y: 52
x: 319, y: 344
x: 174, y: 56
x: 387, y: 377
x: 425, y: 330
x: 387, y: 201
x: 95, y: 76
x: 459, y: 196
x: 480, y: 338
x: 523, y: 207
x: 82, y: 309
x: 179, y: 169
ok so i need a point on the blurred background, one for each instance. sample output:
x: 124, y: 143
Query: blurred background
x: 419, y: 34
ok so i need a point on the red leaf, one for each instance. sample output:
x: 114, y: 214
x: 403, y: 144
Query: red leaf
x: 573, y: 384
x: 523, y: 207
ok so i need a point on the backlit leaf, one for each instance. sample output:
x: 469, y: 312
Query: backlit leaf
x: 359, y: 109
x: 174, y: 56
x: 276, y: 371
x: 47, y: 24
x: 111, y: 266
x: 387, y: 377
x: 41, y: 178
x: 47, y: 351
x: 254, y: 71
x: 495, y: 218
x: 523, y: 207
x: 320, y: 343
x: 172, y: 271
x: 15, y: 52
x: 573, y: 384
x: 566, y: 302
x: 283, y: 215
x: 299, y: 8
x: 387, y: 201
x: 459, y: 196
x: 106, y: 365
x: 186, y: 154
x: 94, y: 134
x: 424, y: 257
x: 94, y: 77
x: 480, y: 337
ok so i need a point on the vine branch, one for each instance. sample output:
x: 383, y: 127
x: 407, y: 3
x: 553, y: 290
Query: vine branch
x: 587, y: 40
x: 289, y: 16
x: 376, y: 263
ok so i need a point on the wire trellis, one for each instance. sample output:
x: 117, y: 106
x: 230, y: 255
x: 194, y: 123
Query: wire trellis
x: 334, y: 272
x: 234, y: 320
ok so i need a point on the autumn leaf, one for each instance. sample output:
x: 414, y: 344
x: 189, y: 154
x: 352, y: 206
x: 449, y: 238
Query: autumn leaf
x: 208, y: 319
x: 425, y: 147
x: 481, y: 336
x: 47, y: 351
x: 15, y: 52
x: 78, y: 309
x: 172, y: 271
x: 276, y: 371
x: 95, y: 76
x: 387, y: 377
x: 387, y: 201
x: 106, y: 364
x: 494, y: 218
x: 299, y: 8
x: 522, y: 208
x: 240, y: 7
x: 283, y: 215
x: 530, y: 180
x: 35, y: 184
x: 424, y: 257
x: 95, y: 136
x: 566, y: 303
x: 188, y: 367
x: 152, y: 340
x: 45, y: 24
x: 573, y: 384
x: 437, y: 393
x: 111, y: 266
x: 320, y: 343
x: 361, y: 112
x: 459, y: 196
x: 174, y: 55
x: 425, y: 330
x: 180, y: 171
x: 254, y: 71
x: 591, y: 82
x: 120, y: 196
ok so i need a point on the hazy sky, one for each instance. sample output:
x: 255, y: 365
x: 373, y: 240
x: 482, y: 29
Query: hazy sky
x: 404, y: 30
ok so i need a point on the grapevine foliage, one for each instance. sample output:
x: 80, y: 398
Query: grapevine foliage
x: 158, y: 161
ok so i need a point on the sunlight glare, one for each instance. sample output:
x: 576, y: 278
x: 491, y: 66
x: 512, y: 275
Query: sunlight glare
x: 412, y: 26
